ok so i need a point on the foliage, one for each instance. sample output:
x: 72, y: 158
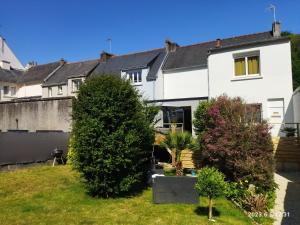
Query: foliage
x: 71, y: 157
x: 234, y: 142
x: 169, y: 171
x: 255, y: 202
x: 112, y: 136
x: 201, y: 117
x: 236, y: 191
x: 210, y: 182
x: 55, y: 195
x: 175, y: 142
x: 295, y: 51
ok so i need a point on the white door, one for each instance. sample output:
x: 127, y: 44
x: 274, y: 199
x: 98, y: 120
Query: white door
x: 276, y: 115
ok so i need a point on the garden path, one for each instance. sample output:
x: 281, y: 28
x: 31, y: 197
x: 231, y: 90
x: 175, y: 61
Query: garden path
x: 287, y: 205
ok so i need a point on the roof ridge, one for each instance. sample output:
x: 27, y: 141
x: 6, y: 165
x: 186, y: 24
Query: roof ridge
x: 134, y: 53
x: 88, y: 60
x: 228, y: 38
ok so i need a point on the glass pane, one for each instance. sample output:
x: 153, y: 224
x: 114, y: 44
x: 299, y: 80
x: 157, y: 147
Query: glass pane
x: 135, y: 77
x: 253, y: 65
x: 140, y: 76
x: 240, y: 68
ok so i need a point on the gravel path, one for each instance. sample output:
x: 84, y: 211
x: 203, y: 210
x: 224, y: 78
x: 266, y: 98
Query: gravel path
x: 287, y: 205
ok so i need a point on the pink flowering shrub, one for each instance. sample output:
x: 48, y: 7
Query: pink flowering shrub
x: 234, y: 142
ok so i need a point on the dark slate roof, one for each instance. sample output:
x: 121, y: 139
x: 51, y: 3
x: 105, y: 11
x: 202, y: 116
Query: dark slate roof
x: 38, y: 73
x: 69, y: 70
x: 10, y: 76
x: 196, y: 55
x: 116, y: 64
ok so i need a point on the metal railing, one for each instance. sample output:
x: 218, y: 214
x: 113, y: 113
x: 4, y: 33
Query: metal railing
x: 293, y: 131
x: 168, y: 126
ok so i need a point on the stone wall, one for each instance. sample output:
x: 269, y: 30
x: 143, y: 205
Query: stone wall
x: 32, y: 115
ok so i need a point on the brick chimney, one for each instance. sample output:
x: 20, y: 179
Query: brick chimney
x: 105, y: 56
x: 276, y: 29
x: 218, y: 43
x: 171, y: 46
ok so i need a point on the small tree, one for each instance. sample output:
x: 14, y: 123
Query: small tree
x: 211, y: 184
x: 112, y: 136
x: 175, y: 142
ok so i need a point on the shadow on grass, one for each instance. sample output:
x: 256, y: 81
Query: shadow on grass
x: 203, y: 211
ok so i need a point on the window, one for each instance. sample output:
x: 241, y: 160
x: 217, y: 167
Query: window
x: 181, y: 116
x: 5, y: 90
x: 76, y: 85
x: 59, y: 90
x: 13, y: 91
x: 246, y: 65
x: 50, y: 92
x: 135, y: 77
x: 254, y: 113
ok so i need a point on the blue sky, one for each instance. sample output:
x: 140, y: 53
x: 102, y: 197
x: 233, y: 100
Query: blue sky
x: 46, y: 31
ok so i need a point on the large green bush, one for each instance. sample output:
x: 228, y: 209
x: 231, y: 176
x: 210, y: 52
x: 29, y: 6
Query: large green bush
x: 112, y: 136
x: 235, y: 142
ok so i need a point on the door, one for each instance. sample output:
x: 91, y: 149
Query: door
x: 276, y: 115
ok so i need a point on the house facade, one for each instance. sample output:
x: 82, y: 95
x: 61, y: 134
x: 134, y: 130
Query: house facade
x: 256, y: 67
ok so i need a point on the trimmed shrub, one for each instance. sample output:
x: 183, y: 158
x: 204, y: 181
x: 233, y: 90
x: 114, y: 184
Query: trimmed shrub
x: 112, y: 136
x: 235, y: 142
x: 210, y: 183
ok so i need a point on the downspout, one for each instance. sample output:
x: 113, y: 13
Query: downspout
x: 208, y: 81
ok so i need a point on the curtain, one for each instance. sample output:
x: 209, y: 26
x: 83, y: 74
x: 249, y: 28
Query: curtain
x: 240, y: 67
x: 253, y: 65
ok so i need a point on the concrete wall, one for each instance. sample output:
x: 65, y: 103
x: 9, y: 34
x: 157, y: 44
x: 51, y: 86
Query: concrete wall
x: 274, y: 82
x: 186, y: 84
x: 46, y: 114
x: 296, y: 101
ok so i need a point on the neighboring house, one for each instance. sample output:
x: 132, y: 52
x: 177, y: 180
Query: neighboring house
x: 8, y: 60
x: 256, y: 67
x: 66, y: 80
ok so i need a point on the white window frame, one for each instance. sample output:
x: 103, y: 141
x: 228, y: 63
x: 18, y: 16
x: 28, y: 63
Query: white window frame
x: 246, y: 55
x: 59, y: 90
x: 13, y: 93
x: 8, y: 91
x: 75, y: 86
x: 50, y: 93
x: 130, y: 76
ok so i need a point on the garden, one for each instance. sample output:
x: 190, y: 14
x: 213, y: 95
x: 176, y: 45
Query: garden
x: 111, y: 177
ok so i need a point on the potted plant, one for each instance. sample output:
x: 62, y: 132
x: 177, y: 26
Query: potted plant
x: 175, y: 142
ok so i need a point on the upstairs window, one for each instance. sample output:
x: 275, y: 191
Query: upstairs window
x: 50, y: 92
x: 13, y: 91
x: 246, y: 65
x: 6, y: 90
x: 135, y: 77
x: 60, y: 90
x: 76, y: 85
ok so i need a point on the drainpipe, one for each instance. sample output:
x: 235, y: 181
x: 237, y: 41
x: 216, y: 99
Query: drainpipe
x: 208, y: 81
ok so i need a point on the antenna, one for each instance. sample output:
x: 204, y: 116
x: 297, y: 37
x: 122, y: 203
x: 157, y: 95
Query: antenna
x: 109, y: 40
x: 273, y: 9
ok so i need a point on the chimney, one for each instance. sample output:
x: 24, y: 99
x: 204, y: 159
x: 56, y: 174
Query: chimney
x: 105, y: 56
x: 5, y: 65
x: 276, y: 29
x: 30, y: 65
x: 62, y: 61
x: 171, y: 46
x: 218, y: 43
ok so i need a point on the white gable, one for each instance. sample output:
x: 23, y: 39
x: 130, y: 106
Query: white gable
x: 7, y: 55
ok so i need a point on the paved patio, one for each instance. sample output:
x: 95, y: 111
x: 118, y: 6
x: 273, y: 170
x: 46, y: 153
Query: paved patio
x: 287, y: 205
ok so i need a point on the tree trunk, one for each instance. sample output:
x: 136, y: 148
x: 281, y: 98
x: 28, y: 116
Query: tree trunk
x: 179, y: 169
x: 173, y: 157
x: 209, y: 208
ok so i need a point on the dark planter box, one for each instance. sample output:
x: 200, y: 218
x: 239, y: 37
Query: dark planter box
x: 175, y: 189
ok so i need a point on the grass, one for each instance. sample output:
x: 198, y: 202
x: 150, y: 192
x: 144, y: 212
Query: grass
x: 55, y: 195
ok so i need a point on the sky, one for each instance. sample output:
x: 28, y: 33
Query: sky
x: 46, y: 31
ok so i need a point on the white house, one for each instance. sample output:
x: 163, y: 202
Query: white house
x: 256, y: 67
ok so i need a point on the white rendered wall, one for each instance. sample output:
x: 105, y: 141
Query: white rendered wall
x: 296, y: 100
x: 55, y: 93
x: 9, y: 96
x: 6, y: 54
x: 185, y: 84
x: 275, y: 81
x: 69, y: 87
x: 29, y: 90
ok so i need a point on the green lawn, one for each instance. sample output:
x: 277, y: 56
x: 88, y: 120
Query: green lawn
x: 54, y: 195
